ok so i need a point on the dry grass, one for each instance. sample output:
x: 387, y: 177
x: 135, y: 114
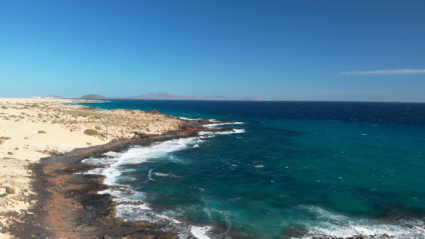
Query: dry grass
x: 107, y: 125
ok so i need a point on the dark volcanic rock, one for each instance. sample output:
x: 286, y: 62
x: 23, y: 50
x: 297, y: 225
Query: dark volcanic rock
x: 204, y: 121
x: 141, y: 135
x: 68, y: 205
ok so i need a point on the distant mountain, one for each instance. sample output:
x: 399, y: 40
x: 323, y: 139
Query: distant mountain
x: 165, y: 96
x: 93, y: 97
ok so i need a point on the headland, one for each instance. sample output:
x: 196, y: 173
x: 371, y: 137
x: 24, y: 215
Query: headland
x: 41, y: 147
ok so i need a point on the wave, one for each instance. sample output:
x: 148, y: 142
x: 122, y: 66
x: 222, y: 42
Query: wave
x: 236, y: 131
x: 220, y: 124
x: 135, y: 155
x: 184, y: 118
x: 166, y: 175
x: 124, y: 195
x: 331, y: 224
x: 150, y: 175
x: 200, y: 232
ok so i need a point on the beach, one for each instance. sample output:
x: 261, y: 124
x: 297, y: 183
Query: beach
x: 36, y: 129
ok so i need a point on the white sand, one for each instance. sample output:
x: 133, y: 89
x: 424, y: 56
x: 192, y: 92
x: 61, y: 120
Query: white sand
x: 26, y: 146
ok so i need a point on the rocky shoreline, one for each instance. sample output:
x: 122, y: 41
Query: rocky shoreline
x: 66, y: 205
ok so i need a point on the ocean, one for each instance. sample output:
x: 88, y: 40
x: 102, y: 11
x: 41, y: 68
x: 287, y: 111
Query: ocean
x: 291, y: 170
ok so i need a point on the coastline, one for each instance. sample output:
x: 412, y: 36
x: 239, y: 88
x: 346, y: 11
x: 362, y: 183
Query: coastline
x: 61, y: 204
x: 66, y: 201
x: 68, y: 205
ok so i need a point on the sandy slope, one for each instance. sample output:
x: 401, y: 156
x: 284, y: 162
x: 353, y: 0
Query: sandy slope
x: 27, y: 146
x: 22, y: 143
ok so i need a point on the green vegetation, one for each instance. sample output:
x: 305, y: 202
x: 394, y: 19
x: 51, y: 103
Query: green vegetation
x: 10, y: 190
x: 42, y: 132
x: 4, y: 107
x: 91, y: 132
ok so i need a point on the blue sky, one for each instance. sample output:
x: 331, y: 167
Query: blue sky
x: 298, y: 50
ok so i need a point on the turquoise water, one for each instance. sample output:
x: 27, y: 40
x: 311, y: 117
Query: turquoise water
x: 293, y: 170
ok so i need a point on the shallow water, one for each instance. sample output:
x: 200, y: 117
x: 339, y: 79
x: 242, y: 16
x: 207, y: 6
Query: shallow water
x: 292, y: 169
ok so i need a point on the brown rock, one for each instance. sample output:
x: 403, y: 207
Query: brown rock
x: 154, y: 111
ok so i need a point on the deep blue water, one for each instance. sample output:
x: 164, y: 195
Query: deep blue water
x: 297, y: 169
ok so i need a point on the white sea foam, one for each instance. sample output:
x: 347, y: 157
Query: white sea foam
x: 124, y: 194
x: 259, y: 166
x: 165, y: 175
x: 236, y: 131
x: 184, y: 118
x: 219, y: 124
x: 200, y: 232
x: 336, y: 225
x: 114, y: 167
x: 195, y: 146
x: 135, y: 155
x: 150, y: 175
x: 168, y: 218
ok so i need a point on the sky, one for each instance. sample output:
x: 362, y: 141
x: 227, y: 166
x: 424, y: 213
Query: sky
x: 339, y: 50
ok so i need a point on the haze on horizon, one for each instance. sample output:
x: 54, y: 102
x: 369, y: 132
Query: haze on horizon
x: 296, y: 50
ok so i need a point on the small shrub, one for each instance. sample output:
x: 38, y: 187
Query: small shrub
x: 42, y: 132
x: 5, y: 138
x: 4, y: 107
x: 91, y: 132
x: 10, y: 190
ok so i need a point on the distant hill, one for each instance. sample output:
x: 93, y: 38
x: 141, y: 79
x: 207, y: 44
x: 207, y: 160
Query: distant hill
x: 165, y: 96
x: 93, y: 97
